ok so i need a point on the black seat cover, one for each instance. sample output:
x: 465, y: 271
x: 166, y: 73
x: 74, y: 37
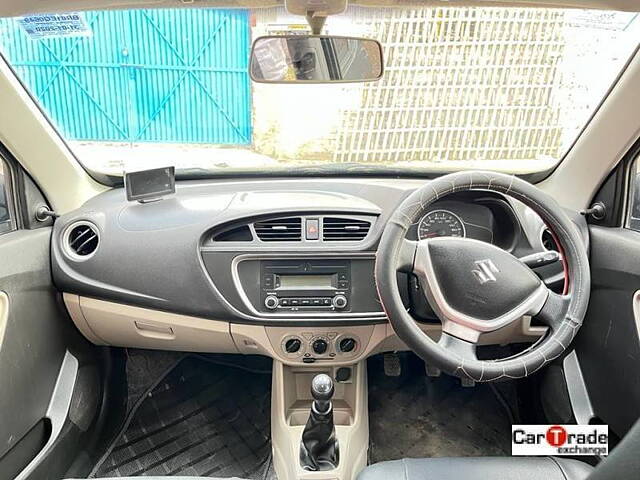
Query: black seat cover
x: 478, y: 468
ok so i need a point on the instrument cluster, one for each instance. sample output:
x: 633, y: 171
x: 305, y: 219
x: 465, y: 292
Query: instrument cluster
x: 476, y: 216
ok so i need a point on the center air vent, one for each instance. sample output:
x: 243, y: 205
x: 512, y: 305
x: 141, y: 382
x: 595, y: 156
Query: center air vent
x: 337, y: 229
x: 279, y: 230
x: 81, y: 240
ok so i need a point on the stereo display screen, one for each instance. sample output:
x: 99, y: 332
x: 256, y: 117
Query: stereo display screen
x: 305, y: 281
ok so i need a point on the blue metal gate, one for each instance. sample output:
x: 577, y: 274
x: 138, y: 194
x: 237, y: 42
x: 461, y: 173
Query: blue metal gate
x: 143, y: 76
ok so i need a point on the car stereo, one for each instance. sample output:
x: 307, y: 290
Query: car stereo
x: 305, y: 285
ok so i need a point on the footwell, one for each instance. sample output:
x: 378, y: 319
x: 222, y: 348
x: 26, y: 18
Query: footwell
x: 201, y: 419
x: 418, y: 416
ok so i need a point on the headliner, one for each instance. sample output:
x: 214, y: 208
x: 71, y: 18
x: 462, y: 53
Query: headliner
x: 10, y: 8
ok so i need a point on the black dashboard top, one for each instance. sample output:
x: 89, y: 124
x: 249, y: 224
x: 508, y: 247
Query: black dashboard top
x: 198, y: 252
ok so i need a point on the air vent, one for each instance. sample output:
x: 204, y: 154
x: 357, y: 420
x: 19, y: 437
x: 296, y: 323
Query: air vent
x: 236, y: 234
x: 337, y: 229
x: 548, y: 242
x: 279, y: 230
x: 81, y: 240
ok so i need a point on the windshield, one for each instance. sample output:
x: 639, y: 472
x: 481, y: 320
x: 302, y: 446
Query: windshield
x: 464, y: 87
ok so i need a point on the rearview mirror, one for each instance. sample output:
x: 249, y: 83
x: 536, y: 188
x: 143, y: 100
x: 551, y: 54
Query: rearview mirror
x: 315, y: 59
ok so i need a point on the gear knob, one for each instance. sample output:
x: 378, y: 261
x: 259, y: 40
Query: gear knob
x: 322, y: 388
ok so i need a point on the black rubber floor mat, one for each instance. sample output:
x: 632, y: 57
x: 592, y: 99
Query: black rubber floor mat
x: 415, y: 416
x: 201, y: 419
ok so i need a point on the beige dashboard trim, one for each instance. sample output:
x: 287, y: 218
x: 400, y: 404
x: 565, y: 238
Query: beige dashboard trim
x: 108, y: 323
x: 75, y: 312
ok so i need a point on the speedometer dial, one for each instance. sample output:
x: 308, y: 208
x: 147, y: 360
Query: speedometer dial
x: 440, y: 223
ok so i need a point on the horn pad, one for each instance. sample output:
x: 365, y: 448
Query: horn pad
x: 473, y: 277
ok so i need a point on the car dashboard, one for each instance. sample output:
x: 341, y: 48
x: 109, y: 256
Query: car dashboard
x: 293, y: 257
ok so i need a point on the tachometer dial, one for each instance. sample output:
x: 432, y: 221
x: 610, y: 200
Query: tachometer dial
x: 440, y: 223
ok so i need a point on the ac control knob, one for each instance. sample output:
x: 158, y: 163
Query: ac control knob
x: 271, y: 302
x: 319, y: 346
x: 339, y: 301
x: 292, y: 345
x: 347, y: 345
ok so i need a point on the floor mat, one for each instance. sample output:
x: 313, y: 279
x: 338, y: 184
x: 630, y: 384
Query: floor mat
x: 201, y: 419
x: 415, y: 416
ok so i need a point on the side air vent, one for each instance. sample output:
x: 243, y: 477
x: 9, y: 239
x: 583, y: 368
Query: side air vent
x: 279, y: 230
x: 81, y: 240
x: 337, y: 229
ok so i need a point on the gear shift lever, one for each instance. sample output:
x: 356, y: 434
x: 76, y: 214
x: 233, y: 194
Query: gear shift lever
x: 319, y: 447
x: 322, y: 392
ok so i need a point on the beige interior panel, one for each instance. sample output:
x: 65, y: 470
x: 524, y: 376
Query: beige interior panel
x: 252, y: 340
x: 371, y: 339
x: 517, y: 332
x: 367, y: 337
x: 4, y: 315
x: 108, y: 323
x: 290, y: 405
x: 72, y: 303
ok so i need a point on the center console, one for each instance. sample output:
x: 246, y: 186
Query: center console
x: 292, y: 400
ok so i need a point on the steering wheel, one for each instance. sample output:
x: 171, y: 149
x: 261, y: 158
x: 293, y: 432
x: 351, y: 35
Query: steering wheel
x: 475, y: 287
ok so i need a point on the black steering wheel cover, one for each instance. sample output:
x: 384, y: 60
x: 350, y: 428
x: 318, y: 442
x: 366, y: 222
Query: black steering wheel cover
x: 412, y: 209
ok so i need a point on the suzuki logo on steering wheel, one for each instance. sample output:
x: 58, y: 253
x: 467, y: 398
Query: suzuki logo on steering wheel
x: 485, y: 271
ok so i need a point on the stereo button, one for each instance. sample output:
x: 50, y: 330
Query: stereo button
x: 271, y: 302
x: 340, y: 301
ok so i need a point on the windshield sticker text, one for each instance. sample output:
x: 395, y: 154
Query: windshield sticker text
x: 55, y: 25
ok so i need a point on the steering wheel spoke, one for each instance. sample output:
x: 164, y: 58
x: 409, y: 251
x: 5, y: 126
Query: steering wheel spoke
x: 462, y: 348
x: 406, y: 255
x: 554, y: 310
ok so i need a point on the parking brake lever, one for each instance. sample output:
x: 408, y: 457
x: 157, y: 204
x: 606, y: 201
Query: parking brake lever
x: 540, y: 259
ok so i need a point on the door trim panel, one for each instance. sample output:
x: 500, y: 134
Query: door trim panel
x: 58, y: 409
